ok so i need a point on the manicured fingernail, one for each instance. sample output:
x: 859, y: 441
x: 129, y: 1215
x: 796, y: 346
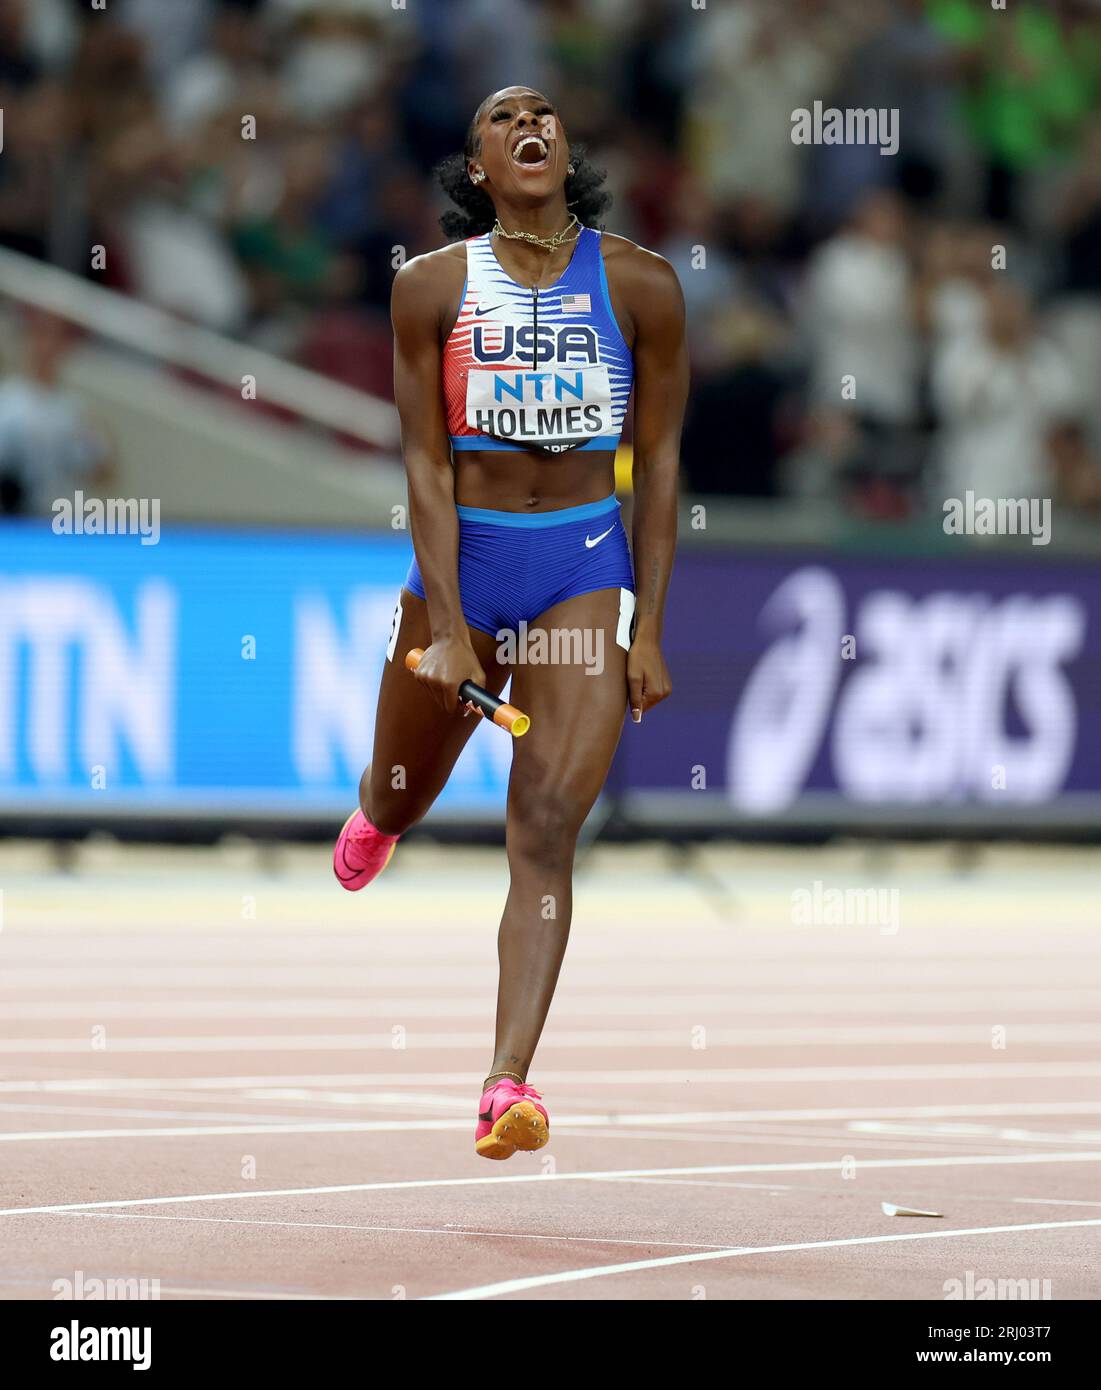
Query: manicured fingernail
x: 636, y: 715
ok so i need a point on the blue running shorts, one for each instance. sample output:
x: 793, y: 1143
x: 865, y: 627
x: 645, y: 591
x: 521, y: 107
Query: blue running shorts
x: 513, y: 566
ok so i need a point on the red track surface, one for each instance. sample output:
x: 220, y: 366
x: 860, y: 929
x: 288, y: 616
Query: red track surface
x: 279, y: 1103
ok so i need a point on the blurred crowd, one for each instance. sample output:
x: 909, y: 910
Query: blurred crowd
x: 883, y: 331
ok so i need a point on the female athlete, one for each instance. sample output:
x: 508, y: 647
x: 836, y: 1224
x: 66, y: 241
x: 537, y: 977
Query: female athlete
x: 515, y: 352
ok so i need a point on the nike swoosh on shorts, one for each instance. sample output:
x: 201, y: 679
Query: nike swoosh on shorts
x: 590, y: 543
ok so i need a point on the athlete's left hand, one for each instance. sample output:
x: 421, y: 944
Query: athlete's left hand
x: 648, y: 680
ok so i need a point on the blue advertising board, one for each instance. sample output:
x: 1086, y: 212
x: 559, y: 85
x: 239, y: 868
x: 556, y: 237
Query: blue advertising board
x: 233, y: 671
x: 213, y: 670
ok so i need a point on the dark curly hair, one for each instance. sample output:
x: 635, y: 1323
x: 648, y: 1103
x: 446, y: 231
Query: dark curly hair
x: 586, y: 195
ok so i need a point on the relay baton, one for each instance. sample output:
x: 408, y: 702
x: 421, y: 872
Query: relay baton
x: 508, y: 716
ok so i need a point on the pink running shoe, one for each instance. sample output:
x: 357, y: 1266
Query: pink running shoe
x: 510, y: 1118
x: 361, y: 852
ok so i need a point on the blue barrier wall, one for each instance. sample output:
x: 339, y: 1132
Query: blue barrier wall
x: 211, y: 670
x: 236, y: 672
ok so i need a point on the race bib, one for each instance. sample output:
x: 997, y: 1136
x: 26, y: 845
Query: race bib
x: 564, y: 405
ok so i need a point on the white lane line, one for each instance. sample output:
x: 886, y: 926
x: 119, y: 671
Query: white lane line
x: 636, y: 1122
x: 199, y: 1291
x: 403, y: 1230
x: 409, y: 1184
x: 657, y: 1076
x: 976, y: 1131
x: 775, y: 1139
x: 260, y: 1295
x: 134, y: 1113
x: 39, y: 1136
x: 917, y: 1034
x: 814, y: 1189
x: 573, y: 1276
x: 732, y: 1003
x: 374, y: 1100
x: 771, y: 1187
x: 576, y: 1126
x: 371, y: 1100
x: 1051, y: 1202
x: 451, y: 1105
x: 650, y: 974
x: 604, y: 1126
x: 775, y: 1189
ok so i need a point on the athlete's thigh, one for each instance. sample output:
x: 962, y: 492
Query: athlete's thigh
x: 412, y: 731
x: 577, y: 705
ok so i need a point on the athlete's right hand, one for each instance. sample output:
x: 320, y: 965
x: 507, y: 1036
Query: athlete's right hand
x: 443, y: 668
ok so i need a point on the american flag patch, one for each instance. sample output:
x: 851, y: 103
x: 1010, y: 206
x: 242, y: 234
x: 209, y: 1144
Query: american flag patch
x: 576, y: 304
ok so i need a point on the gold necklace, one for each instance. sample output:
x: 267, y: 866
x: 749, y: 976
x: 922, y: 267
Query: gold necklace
x: 548, y: 243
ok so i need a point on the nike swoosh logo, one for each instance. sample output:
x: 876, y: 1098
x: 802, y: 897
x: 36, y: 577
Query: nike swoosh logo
x: 479, y: 312
x: 590, y: 543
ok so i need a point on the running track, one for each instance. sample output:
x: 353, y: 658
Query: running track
x: 219, y: 1072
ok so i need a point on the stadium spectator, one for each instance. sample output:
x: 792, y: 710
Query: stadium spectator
x: 1000, y: 388
x: 48, y: 447
x: 733, y: 434
x: 124, y: 129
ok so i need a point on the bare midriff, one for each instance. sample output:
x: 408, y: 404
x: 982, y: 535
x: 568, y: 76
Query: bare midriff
x: 532, y: 481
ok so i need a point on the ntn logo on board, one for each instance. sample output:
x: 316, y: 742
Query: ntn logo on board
x: 80, y: 680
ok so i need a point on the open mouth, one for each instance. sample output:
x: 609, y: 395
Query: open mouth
x: 530, y: 152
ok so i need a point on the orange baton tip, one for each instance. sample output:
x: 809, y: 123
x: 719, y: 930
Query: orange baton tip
x: 512, y: 719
